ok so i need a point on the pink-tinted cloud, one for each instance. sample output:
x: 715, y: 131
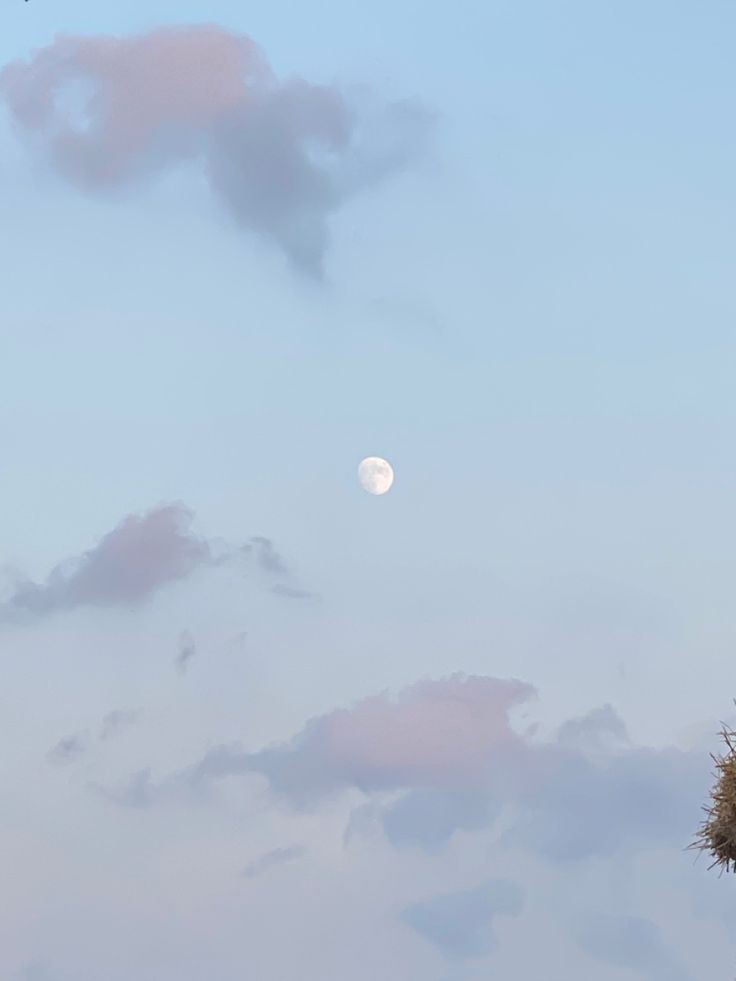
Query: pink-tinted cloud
x: 130, y: 563
x: 435, y: 734
x: 435, y: 731
x: 449, y: 748
x: 141, y: 555
x: 282, y: 156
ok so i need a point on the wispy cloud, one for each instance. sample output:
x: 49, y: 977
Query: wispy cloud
x: 630, y: 942
x: 116, y: 721
x: 460, y: 924
x: 278, y: 856
x: 282, y: 156
x: 187, y: 650
x: 68, y: 749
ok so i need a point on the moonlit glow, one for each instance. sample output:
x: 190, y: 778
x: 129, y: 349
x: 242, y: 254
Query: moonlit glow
x: 376, y: 475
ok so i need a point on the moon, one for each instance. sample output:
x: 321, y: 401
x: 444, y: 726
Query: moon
x: 375, y: 475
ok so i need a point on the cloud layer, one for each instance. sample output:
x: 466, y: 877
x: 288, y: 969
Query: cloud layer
x: 282, y: 156
x: 443, y: 757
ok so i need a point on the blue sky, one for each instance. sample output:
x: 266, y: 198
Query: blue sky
x: 531, y: 318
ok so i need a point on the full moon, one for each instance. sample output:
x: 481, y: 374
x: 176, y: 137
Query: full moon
x: 375, y: 475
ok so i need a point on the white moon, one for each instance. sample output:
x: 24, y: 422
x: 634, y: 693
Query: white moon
x: 375, y: 475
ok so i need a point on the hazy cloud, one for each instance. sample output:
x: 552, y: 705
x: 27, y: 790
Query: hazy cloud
x: 267, y: 557
x: 630, y: 942
x: 290, y: 592
x: 427, y: 818
x: 460, y: 924
x: 187, y: 650
x: 282, y: 156
x: 68, y: 749
x: 137, y: 793
x: 576, y: 808
x: 279, y: 856
x: 117, y: 720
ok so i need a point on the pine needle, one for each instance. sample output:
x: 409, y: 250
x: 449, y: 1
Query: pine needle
x: 717, y: 833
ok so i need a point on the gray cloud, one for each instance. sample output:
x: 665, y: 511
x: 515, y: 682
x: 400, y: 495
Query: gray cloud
x: 576, y: 808
x: 186, y: 652
x: 282, y: 156
x: 138, y: 793
x: 428, y: 818
x: 290, y: 592
x: 630, y: 942
x: 267, y: 557
x: 279, y: 856
x: 600, y: 730
x: 118, y: 720
x: 460, y: 924
x: 68, y: 749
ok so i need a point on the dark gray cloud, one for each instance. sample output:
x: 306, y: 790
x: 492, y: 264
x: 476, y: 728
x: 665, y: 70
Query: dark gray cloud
x: 278, y: 856
x: 68, y: 749
x: 460, y: 924
x: 282, y: 156
x: 630, y: 942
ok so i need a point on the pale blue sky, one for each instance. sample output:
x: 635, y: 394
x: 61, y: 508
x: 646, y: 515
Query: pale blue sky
x: 533, y: 322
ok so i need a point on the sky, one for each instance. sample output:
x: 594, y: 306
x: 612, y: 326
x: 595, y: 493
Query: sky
x: 256, y: 722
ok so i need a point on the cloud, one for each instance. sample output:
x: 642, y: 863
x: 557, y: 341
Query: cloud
x: 118, y: 720
x: 460, y: 924
x: 600, y: 730
x: 435, y: 734
x: 290, y: 592
x: 68, y: 749
x: 141, y: 555
x: 281, y: 156
x: 132, y: 562
x: 279, y: 856
x: 428, y: 818
x: 443, y: 757
x: 138, y: 793
x: 187, y: 651
x: 266, y: 556
x: 575, y: 808
x: 630, y: 942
